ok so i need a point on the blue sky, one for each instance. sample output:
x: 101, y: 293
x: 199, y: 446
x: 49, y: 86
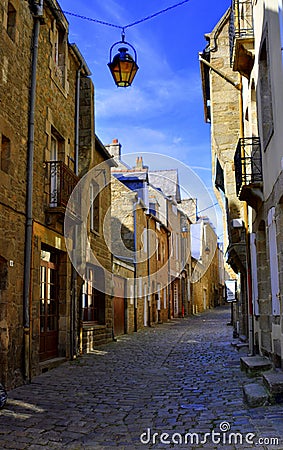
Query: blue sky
x: 162, y: 112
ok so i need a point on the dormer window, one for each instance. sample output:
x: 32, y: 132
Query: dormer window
x: 11, y: 21
x: 59, y: 54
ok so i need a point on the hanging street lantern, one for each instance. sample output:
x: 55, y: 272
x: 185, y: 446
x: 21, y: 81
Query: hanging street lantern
x: 123, y: 67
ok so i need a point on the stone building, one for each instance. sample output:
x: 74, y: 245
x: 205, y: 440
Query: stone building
x: 255, y: 57
x: 158, y: 204
x: 207, y: 281
x: 140, y: 236
x: 14, y: 98
x: 222, y: 104
x: 128, y: 225
x: 47, y: 144
x: 166, y: 286
x: 258, y: 167
x: 167, y: 181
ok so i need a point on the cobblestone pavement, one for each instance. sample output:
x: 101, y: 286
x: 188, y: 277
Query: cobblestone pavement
x: 176, y: 378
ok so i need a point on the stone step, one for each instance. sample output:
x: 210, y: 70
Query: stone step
x: 254, y: 365
x: 255, y: 395
x: 274, y: 383
x: 241, y: 346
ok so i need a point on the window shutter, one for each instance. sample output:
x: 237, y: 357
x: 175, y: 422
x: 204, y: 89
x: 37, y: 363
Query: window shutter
x: 254, y: 274
x: 274, y: 275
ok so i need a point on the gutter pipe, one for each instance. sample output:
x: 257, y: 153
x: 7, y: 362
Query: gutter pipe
x: 74, y: 283
x: 29, y: 193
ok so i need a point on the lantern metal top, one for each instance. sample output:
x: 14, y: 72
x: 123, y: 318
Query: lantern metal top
x: 123, y: 66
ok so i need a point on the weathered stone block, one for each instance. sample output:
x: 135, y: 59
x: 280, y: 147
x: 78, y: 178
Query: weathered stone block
x: 274, y: 383
x: 255, y: 395
x: 254, y: 365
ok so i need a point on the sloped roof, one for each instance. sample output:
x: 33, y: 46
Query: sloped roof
x: 167, y: 181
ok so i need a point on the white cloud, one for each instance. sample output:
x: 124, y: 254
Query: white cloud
x: 157, y: 96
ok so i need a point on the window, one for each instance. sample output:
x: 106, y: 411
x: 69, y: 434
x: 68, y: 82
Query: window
x: 93, y: 297
x: 49, y: 304
x: 140, y: 286
x: 175, y: 297
x: 59, y: 53
x: 90, y: 313
x: 11, y: 21
x: 59, y: 179
x: 57, y: 149
x: 3, y: 273
x: 144, y: 241
x: 94, y: 207
x: 265, y: 94
x: 54, y: 176
x: 158, y: 296
x: 5, y: 153
x: 158, y: 250
x: 177, y: 246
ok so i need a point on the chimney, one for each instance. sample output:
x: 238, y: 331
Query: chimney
x: 114, y: 149
x: 139, y: 163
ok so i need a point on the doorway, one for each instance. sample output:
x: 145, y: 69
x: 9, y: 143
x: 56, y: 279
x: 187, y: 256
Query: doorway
x: 49, y: 305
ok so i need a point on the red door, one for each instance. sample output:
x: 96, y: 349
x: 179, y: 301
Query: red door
x: 48, y: 306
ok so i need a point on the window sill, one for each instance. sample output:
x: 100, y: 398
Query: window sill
x: 95, y: 233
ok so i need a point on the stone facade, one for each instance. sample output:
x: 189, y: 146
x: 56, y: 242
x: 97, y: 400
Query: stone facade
x: 63, y: 149
x: 14, y: 98
x: 264, y: 103
x: 165, y: 288
x: 207, y: 268
x: 256, y: 38
x: 141, y: 239
x: 128, y: 224
x: 223, y: 103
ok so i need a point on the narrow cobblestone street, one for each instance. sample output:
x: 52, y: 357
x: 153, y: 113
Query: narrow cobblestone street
x: 176, y: 378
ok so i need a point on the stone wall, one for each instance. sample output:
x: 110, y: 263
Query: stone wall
x: 14, y: 94
x: 54, y: 127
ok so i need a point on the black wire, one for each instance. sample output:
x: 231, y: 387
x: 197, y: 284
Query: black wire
x: 211, y: 206
x: 91, y: 20
x: 130, y: 24
x: 156, y: 14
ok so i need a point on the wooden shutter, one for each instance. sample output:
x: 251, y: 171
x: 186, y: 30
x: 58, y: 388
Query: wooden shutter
x: 254, y: 274
x: 274, y: 275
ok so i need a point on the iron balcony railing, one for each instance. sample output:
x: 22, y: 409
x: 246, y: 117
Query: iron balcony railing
x: 241, y: 23
x: 61, y: 182
x: 248, y: 164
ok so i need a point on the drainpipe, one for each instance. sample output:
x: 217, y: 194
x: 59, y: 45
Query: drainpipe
x: 77, y: 119
x: 38, y: 14
x: 148, y: 270
x: 169, y: 275
x: 221, y: 74
x: 74, y: 277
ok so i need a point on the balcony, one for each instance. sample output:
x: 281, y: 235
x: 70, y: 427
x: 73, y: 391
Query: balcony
x: 248, y: 171
x: 61, y: 182
x: 241, y: 37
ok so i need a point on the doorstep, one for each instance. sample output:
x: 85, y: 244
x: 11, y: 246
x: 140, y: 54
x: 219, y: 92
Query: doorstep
x: 49, y: 364
x: 254, y: 365
x: 274, y: 383
x: 255, y: 395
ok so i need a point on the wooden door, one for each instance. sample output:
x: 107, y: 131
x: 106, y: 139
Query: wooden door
x: 48, y: 306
